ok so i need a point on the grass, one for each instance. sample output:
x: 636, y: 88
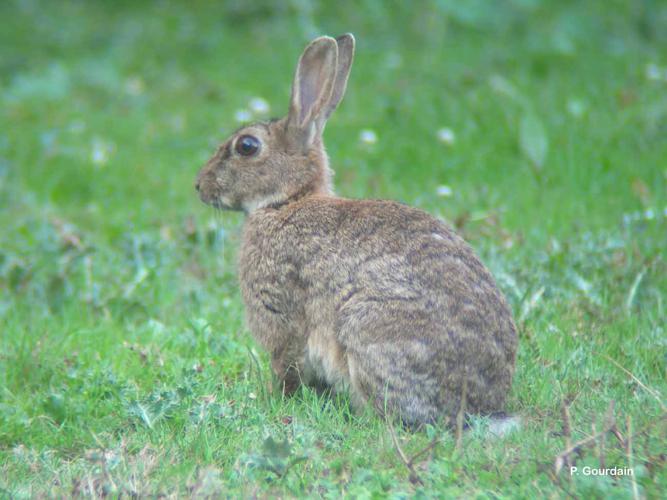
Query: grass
x: 125, y: 366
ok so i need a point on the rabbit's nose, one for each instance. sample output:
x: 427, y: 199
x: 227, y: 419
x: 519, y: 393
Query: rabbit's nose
x: 197, y: 185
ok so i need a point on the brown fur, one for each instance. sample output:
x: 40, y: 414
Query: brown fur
x: 368, y: 296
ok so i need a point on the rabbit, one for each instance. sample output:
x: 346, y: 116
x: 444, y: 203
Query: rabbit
x: 371, y: 297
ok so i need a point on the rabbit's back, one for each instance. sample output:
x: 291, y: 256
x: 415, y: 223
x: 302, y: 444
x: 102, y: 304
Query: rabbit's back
x: 379, y: 297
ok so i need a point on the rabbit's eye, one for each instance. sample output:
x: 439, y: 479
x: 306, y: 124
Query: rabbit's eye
x: 247, y: 145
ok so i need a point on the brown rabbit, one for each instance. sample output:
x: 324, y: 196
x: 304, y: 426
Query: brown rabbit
x: 368, y: 296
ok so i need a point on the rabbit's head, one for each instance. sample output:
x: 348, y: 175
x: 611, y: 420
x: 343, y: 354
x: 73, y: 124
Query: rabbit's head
x: 268, y: 164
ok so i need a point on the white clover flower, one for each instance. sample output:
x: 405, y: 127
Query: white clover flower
x: 259, y: 106
x: 655, y: 72
x: 368, y: 136
x: 242, y: 115
x: 576, y: 108
x: 101, y: 151
x: 99, y: 155
x: 446, y: 136
x: 649, y: 214
x: 444, y: 191
x: 135, y: 86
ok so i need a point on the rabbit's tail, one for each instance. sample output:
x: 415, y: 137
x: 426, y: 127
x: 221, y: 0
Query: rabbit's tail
x: 501, y: 425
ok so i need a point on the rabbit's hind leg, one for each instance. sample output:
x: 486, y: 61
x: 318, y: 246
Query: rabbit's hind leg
x: 326, y: 361
x: 385, y: 378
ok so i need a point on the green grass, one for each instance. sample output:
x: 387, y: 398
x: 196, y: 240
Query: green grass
x: 125, y: 365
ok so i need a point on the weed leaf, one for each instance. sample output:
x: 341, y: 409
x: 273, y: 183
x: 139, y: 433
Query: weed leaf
x: 142, y: 411
x: 276, y: 457
x: 533, y: 140
x: 154, y: 408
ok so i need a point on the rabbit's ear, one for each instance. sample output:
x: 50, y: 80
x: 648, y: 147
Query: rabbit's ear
x: 312, y: 88
x: 345, y: 56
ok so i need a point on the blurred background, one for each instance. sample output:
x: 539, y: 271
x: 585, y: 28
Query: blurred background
x: 544, y: 111
x: 514, y: 120
x: 538, y: 128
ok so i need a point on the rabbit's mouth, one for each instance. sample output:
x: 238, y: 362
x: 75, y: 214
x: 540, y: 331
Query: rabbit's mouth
x: 210, y: 195
x: 220, y: 203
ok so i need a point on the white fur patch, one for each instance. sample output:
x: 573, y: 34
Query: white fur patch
x: 252, y: 205
x: 224, y: 201
x: 501, y: 427
x: 437, y: 236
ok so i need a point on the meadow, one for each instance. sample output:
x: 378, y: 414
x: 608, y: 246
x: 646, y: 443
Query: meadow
x: 536, y: 128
